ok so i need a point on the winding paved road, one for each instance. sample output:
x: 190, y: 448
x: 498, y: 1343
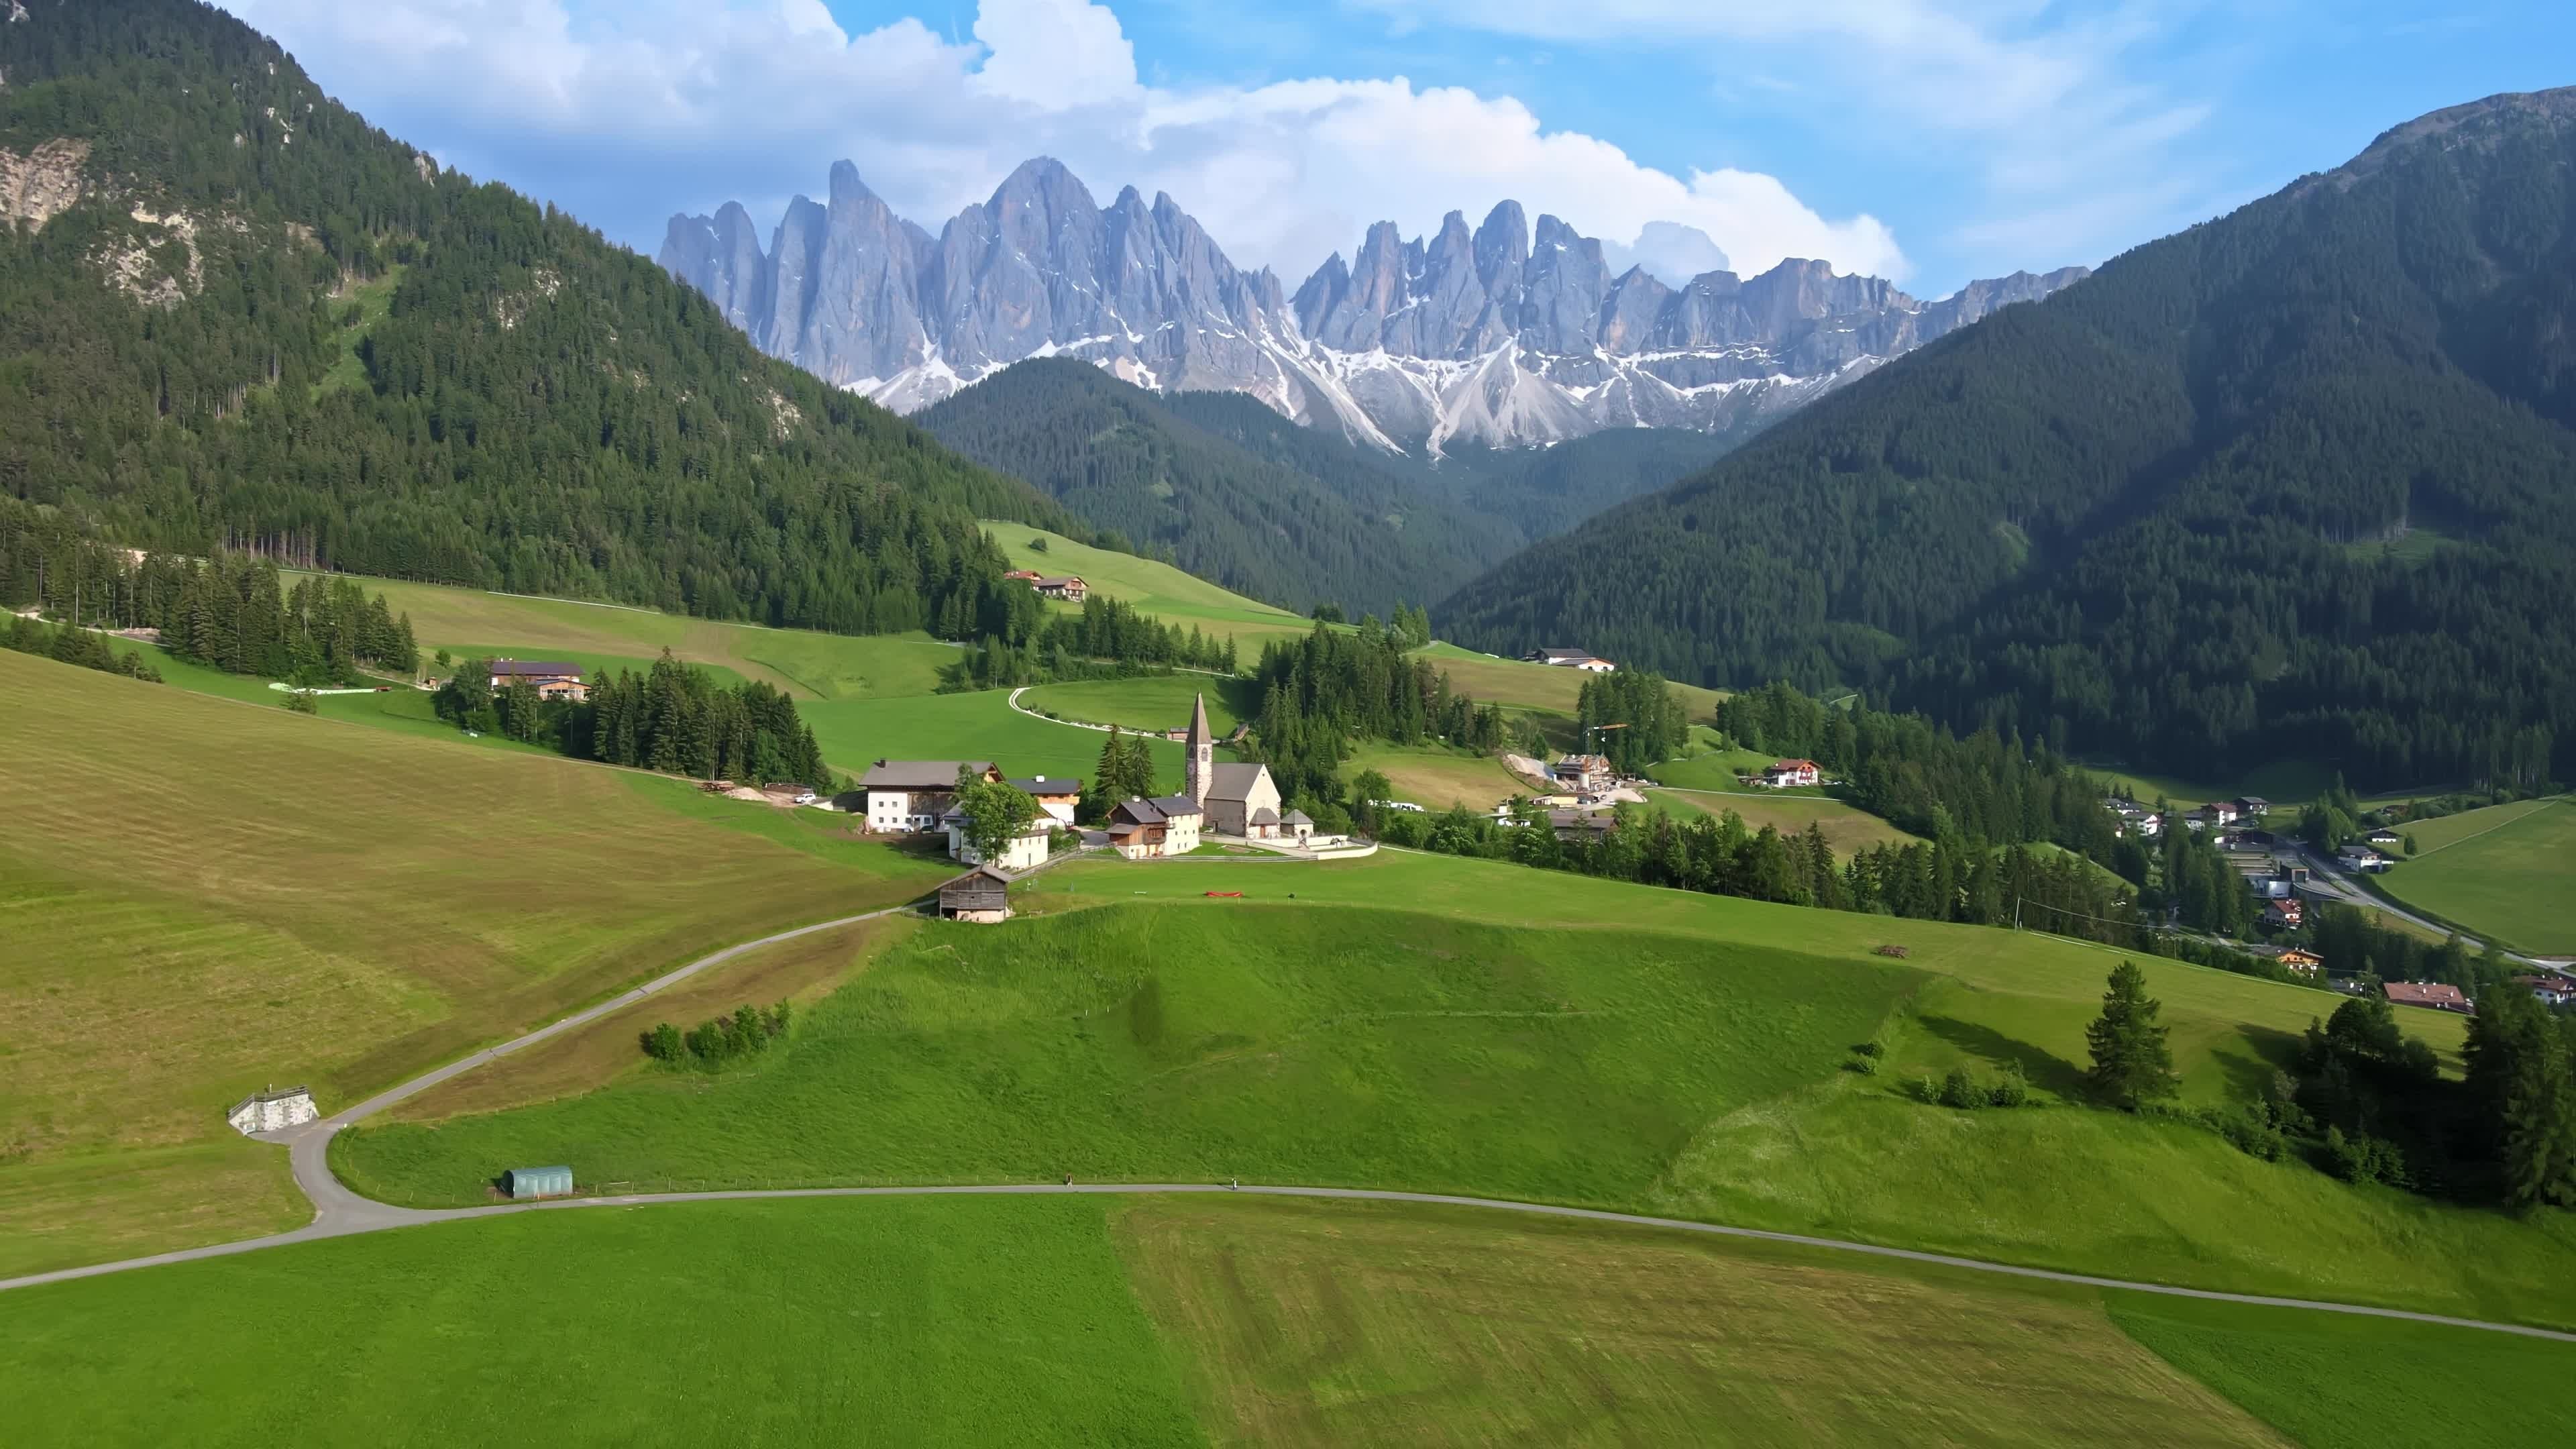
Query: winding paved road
x: 339, y: 1212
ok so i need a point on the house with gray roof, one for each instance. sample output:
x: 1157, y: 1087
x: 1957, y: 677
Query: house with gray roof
x: 911, y: 795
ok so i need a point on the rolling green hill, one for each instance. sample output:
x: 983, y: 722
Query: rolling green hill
x: 322, y: 346
x: 1611, y: 1046
x: 2126, y: 517
x: 203, y: 897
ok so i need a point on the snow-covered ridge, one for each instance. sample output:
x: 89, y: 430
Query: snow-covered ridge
x: 1493, y: 336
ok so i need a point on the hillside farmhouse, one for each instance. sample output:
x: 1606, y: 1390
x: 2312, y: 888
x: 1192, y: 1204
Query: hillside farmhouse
x: 2362, y: 857
x: 912, y: 795
x: 2306, y: 963
x: 1026, y: 576
x: 1787, y: 774
x: 2440, y: 995
x: 2552, y: 989
x: 553, y: 679
x: 1562, y: 658
x: 273, y: 1110
x: 1581, y: 824
x: 1069, y: 588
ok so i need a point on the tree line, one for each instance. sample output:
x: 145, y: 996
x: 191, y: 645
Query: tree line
x: 673, y: 718
x: 67, y: 645
x: 1031, y: 644
x: 232, y: 612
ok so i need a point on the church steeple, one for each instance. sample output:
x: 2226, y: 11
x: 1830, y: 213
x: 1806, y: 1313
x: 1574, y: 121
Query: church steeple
x: 1198, y: 772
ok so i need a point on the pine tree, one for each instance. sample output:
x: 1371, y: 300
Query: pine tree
x: 2132, y: 1065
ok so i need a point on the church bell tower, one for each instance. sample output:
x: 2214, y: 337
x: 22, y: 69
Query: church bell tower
x: 1199, y: 770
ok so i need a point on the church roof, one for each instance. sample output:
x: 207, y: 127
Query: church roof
x: 1265, y: 816
x: 1298, y: 817
x: 1200, y: 734
x: 1234, y: 782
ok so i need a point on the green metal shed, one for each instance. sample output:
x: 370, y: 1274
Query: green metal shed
x: 538, y: 1182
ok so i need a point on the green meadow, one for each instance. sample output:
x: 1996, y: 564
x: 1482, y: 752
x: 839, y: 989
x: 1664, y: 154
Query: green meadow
x: 2507, y: 871
x: 1677, y: 1054
x: 201, y: 898
x: 1153, y: 588
x: 1187, y: 1320
x: 979, y: 726
x: 808, y: 664
x: 1148, y: 702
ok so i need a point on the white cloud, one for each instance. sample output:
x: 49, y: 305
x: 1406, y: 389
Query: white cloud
x: 2042, y: 94
x: 627, y: 112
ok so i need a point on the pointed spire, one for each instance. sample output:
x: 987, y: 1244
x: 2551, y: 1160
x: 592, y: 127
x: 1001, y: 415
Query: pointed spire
x: 1199, y: 732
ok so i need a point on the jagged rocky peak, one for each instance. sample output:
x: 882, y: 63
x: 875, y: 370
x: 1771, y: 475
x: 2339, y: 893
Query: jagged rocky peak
x: 1504, y: 333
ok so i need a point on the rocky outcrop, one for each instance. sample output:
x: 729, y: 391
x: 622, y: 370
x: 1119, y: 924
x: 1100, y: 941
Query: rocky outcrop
x: 1509, y: 334
x: 41, y: 184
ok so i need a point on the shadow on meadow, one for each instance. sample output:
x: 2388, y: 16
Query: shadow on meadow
x: 2044, y: 1069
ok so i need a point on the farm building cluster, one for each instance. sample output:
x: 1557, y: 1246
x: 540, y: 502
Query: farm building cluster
x: 1229, y: 802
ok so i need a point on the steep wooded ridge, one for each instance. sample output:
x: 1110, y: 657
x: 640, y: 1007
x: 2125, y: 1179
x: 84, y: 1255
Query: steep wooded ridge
x: 1234, y: 492
x: 2297, y: 482
x: 231, y: 312
x: 1504, y: 336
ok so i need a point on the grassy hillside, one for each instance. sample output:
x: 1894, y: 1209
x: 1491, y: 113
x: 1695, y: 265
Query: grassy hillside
x: 980, y: 726
x: 1153, y: 588
x: 1204, y: 1319
x: 203, y: 898
x: 1523, y: 685
x: 2508, y: 871
x: 1847, y: 828
x: 1695, y: 1072
x: 807, y: 663
x: 1157, y: 702
x: 1436, y: 777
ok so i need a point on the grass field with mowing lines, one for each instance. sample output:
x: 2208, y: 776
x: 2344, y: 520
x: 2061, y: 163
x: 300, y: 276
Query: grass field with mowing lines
x: 1147, y: 702
x: 910, y: 1322
x: 979, y: 726
x: 2508, y: 871
x: 2316, y: 1377
x: 201, y: 899
x: 1332, y: 1324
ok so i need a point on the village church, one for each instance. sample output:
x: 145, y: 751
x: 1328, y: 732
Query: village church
x: 1225, y: 800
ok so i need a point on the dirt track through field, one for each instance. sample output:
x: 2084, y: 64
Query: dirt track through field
x: 340, y: 1212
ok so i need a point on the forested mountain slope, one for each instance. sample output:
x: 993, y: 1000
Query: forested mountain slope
x: 1239, y: 494
x: 2297, y: 482
x: 231, y: 312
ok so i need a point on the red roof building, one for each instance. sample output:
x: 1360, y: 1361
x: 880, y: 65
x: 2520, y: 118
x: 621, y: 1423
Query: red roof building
x: 1787, y: 773
x: 2440, y: 995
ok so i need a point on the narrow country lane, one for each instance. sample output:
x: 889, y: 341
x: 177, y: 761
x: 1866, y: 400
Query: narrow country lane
x: 339, y: 1212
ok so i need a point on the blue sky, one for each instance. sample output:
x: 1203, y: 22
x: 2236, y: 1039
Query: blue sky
x: 1930, y: 140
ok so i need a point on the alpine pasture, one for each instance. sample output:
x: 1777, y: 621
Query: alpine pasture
x: 2508, y: 871
x: 204, y: 897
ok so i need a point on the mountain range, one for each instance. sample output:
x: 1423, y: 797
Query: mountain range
x: 1501, y: 336
x: 2297, y: 483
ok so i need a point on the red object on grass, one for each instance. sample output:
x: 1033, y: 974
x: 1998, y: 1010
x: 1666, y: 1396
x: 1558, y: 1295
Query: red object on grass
x: 1227, y: 895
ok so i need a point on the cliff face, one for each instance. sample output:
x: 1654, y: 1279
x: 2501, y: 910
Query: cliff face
x: 1504, y: 335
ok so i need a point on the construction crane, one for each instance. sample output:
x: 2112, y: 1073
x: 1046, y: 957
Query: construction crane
x: 1592, y: 734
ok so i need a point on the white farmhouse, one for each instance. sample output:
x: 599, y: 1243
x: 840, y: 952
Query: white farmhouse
x: 272, y: 1111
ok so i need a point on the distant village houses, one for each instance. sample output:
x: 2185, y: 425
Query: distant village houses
x: 2306, y: 963
x: 553, y: 680
x: 1057, y: 798
x: 1562, y: 658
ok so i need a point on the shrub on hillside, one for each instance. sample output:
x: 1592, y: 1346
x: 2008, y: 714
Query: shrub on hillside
x: 2013, y: 1090
x: 717, y: 1040
x: 1959, y: 1089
